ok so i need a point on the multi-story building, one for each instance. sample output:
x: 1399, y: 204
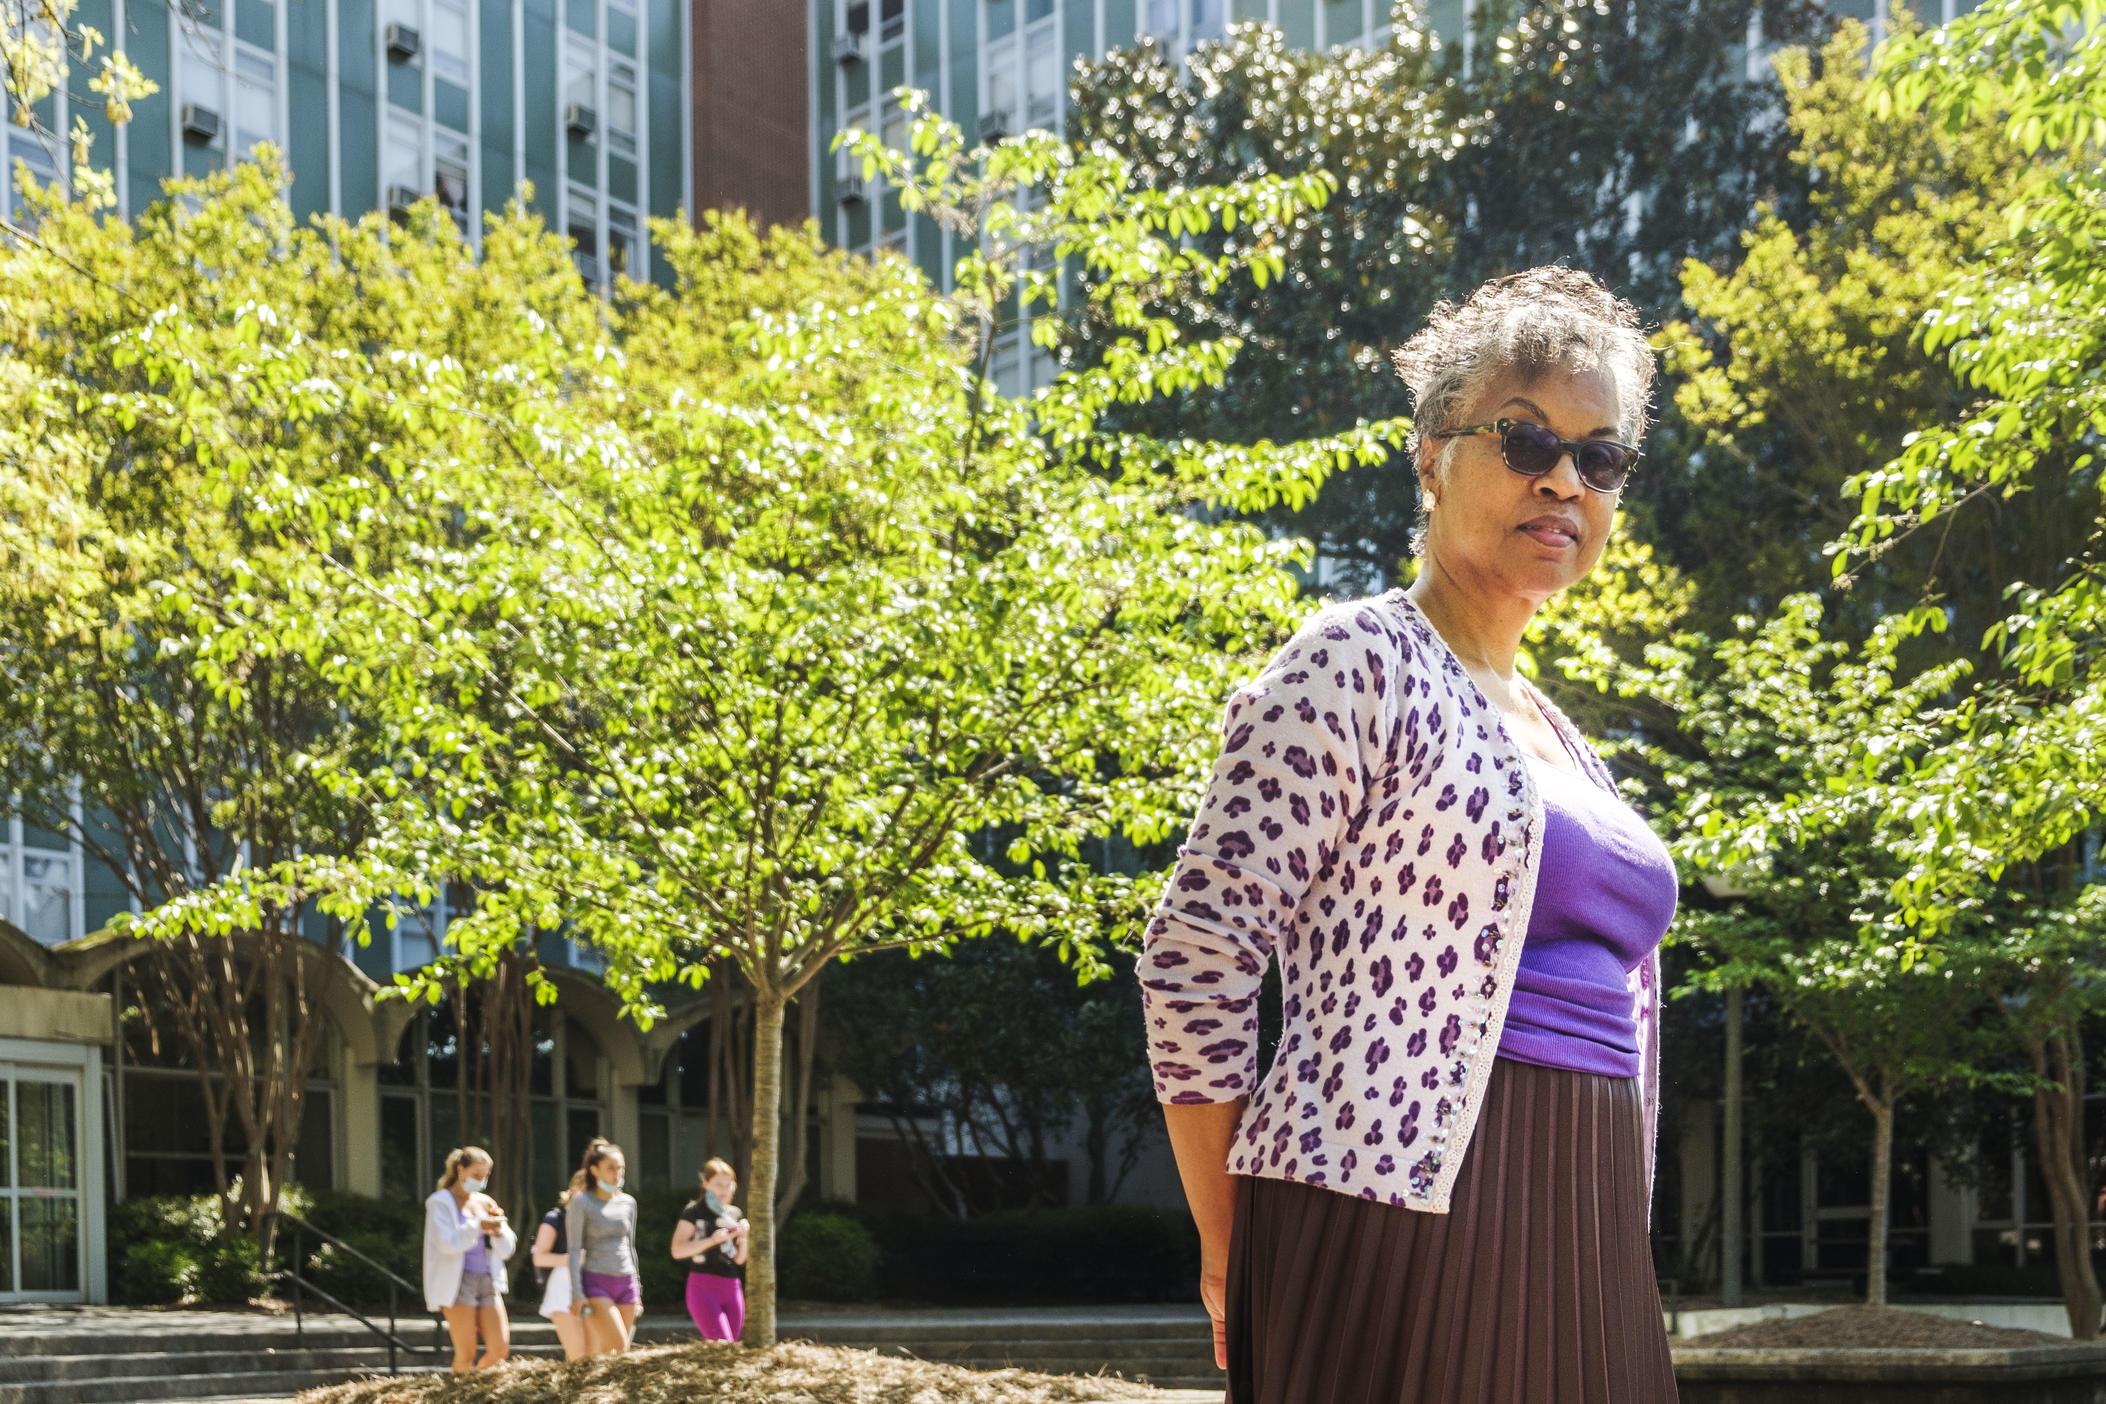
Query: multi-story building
x: 378, y: 103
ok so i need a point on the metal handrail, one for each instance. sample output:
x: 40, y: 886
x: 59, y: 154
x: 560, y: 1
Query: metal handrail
x: 299, y: 1284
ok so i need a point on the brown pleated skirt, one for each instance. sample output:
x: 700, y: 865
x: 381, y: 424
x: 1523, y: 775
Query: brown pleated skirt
x: 1536, y: 1287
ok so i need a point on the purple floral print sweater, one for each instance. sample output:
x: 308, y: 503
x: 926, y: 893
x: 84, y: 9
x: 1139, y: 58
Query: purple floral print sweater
x: 1369, y: 822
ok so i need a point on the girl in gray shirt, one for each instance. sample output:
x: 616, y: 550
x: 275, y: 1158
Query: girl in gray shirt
x: 600, y: 1228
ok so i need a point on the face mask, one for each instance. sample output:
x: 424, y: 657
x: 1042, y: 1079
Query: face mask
x: 710, y: 1202
x: 473, y: 1185
x: 610, y: 1185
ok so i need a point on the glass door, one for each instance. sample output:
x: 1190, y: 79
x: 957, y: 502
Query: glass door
x: 40, y: 1184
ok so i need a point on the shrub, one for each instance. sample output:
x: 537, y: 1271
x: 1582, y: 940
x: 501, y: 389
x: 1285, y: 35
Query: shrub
x: 156, y: 1272
x: 826, y: 1257
x: 231, y: 1270
x: 356, y: 1284
x: 1095, y: 1253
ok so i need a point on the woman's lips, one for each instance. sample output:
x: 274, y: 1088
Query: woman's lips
x: 1552, y: 532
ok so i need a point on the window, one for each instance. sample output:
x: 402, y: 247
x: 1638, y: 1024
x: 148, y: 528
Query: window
x: 39, y: 884
x: 1208, y: 21
x: 1000, y: 109
x: 584, y: 231
x: 1041, y: 77
x: 856, y: 20
x: 580, y: 76
x: 892, y: 16
x: 402, y: 161
x: 450, y: 174
x: 621, y: 108
x: 255, y: 99
x: 1162, y: 19
x: 203, y: 85
x: 449, y: 42
x: 621, y: 241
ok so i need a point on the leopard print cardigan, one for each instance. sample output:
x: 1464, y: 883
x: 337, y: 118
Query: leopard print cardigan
x: 1370, y: 823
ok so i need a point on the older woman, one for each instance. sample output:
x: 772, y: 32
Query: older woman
x: 1440, y: 1189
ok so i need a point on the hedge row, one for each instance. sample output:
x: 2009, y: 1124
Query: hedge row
x: 166, y: 1251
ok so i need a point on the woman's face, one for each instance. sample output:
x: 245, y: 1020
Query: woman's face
x: 611, y: 1168
x: 722, y: 1186
x: 1512, y: 535
x: 477, y: 1169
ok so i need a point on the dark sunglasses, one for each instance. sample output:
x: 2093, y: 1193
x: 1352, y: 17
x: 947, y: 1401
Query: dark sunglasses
x: 1532, y: 450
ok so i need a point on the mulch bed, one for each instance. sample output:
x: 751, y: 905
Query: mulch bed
x: 785, y: 1374
x: 1871, y: 1328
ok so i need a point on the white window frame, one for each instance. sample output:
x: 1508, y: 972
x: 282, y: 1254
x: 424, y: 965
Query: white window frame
x: 15, y: 853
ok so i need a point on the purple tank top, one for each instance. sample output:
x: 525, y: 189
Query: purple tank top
x: 1605, y: 892
x: 476, y: 1259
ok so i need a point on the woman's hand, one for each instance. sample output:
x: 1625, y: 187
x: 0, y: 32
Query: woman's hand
x: 1213, y: 1295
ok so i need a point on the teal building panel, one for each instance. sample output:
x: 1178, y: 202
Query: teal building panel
x: 1119, y: 23
x: 582, y: 16
x: 928, y: 46
x: 1342, y: 21
x: 581, y: 162
x: 892, y: 72
x: 406, y: 87
x: 621, y: 31
x: 307, y: 108
x: 1001, y: 18
x: 499, y: 178
x: 449, y: 104
x: 540, y: 113
x: 147, y: 136
x: 1298, y: 23
x: 621, y: 180
x: 928, y: 249
x: 355, y: 49
x: 256, y: 22
x: 95, y: 13
x: 1080, y: 37
x: 542, y: 175
x: 668, y: 147
x: 666, y: 37
x: 200, y: 160
x: 358, y: 150
x: 1249, y: 10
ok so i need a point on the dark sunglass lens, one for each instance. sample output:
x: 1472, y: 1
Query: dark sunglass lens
x: 1602, y: 465
x: 1530, y: 448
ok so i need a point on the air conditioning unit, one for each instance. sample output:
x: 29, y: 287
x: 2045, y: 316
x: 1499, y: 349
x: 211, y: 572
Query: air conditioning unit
x: 848, y: 189
x: 200, y: 123
x: 588, y: 267
x: 994, y: 125
x: 404, y: 43
x: 580, y: 120
x: 851, y: 46
x: 401, y: 197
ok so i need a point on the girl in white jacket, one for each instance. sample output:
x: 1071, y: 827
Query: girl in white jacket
x: 466, y: 1245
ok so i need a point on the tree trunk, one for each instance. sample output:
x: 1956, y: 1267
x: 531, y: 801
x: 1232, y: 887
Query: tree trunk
x: 801, y: 1104
x: 1882, y: 1175
x: 2058, y: 1139
x: 1096, y: 1144
x: 766, y: 1142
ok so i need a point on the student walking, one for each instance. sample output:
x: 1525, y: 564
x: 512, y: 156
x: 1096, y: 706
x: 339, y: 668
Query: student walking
x: 466, y: 1245
x: 712, y: 1238
x: 552, y: 1266
x: 600, y: 1230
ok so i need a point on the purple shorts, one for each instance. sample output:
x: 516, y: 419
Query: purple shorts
x: 612, y: 1287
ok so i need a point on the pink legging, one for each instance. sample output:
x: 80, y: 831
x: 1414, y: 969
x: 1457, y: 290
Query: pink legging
x: 718, y: 1305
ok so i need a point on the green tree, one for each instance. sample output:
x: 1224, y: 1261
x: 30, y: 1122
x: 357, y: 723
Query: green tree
x: 1622, y: 139
x: 1800, y: 367
x: 1007, y: 1048
x: 737, y: 676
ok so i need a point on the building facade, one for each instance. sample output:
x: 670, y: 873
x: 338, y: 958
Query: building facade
x: 379, y: 103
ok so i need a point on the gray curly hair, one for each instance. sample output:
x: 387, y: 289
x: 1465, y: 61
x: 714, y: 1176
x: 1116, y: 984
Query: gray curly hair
x: 1523, y: 324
